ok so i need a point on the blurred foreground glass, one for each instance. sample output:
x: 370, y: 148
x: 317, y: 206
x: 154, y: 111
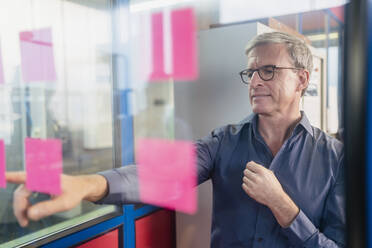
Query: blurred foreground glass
x: 58, y: 84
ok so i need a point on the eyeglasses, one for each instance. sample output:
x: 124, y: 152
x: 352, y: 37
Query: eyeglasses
x: 265, y: 72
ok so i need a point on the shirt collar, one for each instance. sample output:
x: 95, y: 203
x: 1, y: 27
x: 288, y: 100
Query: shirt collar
x: 304, y: 122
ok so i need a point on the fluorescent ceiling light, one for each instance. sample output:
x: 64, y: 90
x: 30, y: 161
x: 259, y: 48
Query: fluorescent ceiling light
x: 243, y: 10
x: 155, y: 4
x: 318, y: 37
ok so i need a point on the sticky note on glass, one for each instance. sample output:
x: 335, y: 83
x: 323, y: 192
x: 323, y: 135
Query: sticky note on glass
x: 37, y: 59
x: 2, y: 80
x: 43, y: 165
x: 157, y: 34
x: 167, y: 174
x: 174, y: 48
x: 2, y: 164
x: 184, y: 44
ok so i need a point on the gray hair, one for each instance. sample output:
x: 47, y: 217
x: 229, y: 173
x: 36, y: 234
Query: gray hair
x: 297, y: 49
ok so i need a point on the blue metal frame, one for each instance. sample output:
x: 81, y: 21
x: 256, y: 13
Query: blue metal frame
x: 127, y: 131
x: 143, y: 211
x: 327, y: 29
x: 300, y: 21
x: 334, y: 17
x: 131, y: 215
x: 87, y: 234
x: 368, y: 124
x: 330, y: 15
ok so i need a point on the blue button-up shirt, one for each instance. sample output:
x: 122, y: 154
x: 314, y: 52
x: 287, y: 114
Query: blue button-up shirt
x: 309, y: 167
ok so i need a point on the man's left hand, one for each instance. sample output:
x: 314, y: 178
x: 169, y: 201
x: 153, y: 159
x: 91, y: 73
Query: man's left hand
x: 262, y: 185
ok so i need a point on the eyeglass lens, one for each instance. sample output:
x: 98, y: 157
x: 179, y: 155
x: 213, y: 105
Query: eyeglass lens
x: 265, y: 73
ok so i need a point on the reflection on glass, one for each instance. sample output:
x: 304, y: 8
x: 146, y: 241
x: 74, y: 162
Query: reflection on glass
x: 56, y: 57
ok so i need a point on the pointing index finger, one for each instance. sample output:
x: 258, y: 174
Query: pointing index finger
x: 49, y: 207
x: 18, y: 177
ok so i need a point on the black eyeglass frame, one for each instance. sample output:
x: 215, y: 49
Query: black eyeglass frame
x: 273, y: 67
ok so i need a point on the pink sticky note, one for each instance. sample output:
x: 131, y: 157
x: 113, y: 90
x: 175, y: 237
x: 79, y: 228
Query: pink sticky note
x: 167, y: 174
x: 182, y: 39
x: 185, y: 64
x: 43, y: 165
x: 2, y: 80
x: 2, y: 165
x: 158, y: 72
x: 37, y: 58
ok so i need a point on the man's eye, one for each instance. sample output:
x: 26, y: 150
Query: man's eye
x: 250, y: 74
x: 267, y: 71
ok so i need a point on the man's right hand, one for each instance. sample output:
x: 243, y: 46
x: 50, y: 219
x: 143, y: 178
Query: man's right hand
x: 74, y: 190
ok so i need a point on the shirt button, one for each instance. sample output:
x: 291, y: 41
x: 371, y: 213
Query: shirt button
x: 260, y: 239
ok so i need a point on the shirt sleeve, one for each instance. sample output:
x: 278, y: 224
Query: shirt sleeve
x: 206, y: 154
x: 122, y: 186
x: 123, y: 182
x: 332, y: 230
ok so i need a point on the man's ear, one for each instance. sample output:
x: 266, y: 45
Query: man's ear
x: 304, y: 77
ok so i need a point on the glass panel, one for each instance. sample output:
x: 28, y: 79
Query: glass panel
x: 59, y: 87
x: 74, y: 104
x: 328, y: 38
x: 218, y: 97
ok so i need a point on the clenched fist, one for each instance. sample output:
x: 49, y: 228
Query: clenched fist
x: 262, y: 185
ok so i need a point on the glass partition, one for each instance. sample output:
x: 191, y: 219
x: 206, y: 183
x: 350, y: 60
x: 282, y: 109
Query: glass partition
x: 59, y: 81
x: 58, y: 85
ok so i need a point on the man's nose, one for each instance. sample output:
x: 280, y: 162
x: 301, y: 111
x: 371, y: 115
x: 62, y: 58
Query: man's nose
x: 256, y: 79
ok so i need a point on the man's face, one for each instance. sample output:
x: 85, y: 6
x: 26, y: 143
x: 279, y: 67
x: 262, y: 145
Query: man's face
x: 280, y: 94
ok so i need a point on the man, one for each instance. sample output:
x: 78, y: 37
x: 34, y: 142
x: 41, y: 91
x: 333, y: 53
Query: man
x: 277, y: 181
